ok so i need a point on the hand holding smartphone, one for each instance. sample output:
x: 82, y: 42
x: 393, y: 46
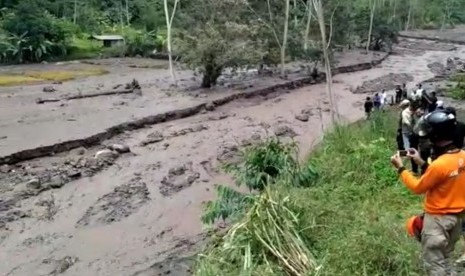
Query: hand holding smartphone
x: 403, y: 153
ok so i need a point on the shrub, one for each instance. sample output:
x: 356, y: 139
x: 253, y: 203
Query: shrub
x: 262, y: 165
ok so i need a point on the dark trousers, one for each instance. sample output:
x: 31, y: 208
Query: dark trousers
x: 399, y: 140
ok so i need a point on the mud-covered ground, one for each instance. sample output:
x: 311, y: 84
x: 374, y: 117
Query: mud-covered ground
x: 21, y: 118
x: 133, y: 203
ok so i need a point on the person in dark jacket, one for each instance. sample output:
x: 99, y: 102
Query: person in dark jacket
x: 404, y: 92
x: 398, y: 94
x: 377, y: 101
x: 368, y: 106
x: 433, y: 99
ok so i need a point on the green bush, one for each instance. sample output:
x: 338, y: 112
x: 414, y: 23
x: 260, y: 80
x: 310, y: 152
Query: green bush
x: 352, y: 219
x: 262, y: 165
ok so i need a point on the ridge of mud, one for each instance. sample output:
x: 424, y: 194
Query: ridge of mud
x: 437, y: 39
x: 177, y: 114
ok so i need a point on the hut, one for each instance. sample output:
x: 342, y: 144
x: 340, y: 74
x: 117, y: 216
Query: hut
x: 109, y: 40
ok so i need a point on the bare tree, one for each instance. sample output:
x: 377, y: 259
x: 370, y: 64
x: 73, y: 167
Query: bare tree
x: 409, y: 16
x: 128, y: 18
x: 307, y: 27
x: 169, y: 22
x: 286, y: 28
x: 325, y: 45
x: 370, y: 30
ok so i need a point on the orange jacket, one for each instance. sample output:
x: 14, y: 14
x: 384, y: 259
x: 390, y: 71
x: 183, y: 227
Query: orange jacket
x: 443, y: 183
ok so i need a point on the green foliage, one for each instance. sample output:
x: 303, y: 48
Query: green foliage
x: 351, y: 219
x: 33, y: 34
x: 262, y: 165
x: 229, y: 204
x: 267, y: 241
x: 268, y: 161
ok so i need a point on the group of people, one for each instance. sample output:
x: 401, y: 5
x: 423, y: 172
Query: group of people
x: 428, y: 102
x: 432, y: 138
x: 377, y: 103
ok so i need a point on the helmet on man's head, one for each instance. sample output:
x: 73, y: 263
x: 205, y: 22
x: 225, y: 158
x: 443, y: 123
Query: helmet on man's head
x: 438, y: 125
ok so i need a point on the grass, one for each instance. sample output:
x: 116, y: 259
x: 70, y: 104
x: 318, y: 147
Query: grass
x: 31, y: 77
x: 82, y: 48
x: 350, y: 221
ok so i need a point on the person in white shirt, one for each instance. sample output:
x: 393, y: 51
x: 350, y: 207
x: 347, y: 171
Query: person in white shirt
x: 383, y: 98
x: 417, y: 94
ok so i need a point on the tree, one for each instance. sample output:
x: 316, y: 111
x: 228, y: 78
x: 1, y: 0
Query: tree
x: 372, y: 15
x: 169, y: 22
x: 216, y: 35
x: 283, y: 46
x: 325, y: 45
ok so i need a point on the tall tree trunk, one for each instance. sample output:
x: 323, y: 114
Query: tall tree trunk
x: 283, y: 48
x: 128, y: 18
x: 295, y: 14
x: 370, y: 30
x: 307, y: 27
x: 407, y: 25
x: 75, y: 12
x: 329, y: 79
x: 394, y: 10
x: 169, y: 22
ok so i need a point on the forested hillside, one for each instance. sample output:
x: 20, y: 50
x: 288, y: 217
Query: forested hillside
x: 211, y: 34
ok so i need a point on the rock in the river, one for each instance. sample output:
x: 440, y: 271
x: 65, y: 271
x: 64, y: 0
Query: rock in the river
x: 33, y: 184
x: 210, y: 106
x: 152, y: 138
x: 5, y: 169
x: 56, y: 182
x: 106, y: 155
x: 120, y: 148
x: 49, y: 89
x: 284, y: 130
x: 302, y: 117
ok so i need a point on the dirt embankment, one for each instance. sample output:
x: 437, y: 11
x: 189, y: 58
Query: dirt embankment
x: 131, y: 202
x: 451, y: 36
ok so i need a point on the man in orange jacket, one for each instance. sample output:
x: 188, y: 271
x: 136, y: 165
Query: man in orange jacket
x: 443, y: 184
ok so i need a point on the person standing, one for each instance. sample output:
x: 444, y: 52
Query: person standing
x: 444, y: 191
x: 398, y: 94
x: 377, y: 101
x: 424, y: 145
x: 433, y: 99
x: 404, y: 92
x: 409, y: 139
x: 368, y: 106
x: 383, y: 98
x: 400, y: 143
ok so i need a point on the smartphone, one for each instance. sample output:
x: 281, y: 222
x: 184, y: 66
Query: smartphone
x: 403, y: 153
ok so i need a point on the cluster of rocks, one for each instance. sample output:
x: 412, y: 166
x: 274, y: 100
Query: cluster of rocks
x: 31, y: 180
x: 304, y: 115
x: 122, y: 202
x: 178, y: 179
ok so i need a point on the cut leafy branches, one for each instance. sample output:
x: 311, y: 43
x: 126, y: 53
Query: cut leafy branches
x: 262, y: 165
